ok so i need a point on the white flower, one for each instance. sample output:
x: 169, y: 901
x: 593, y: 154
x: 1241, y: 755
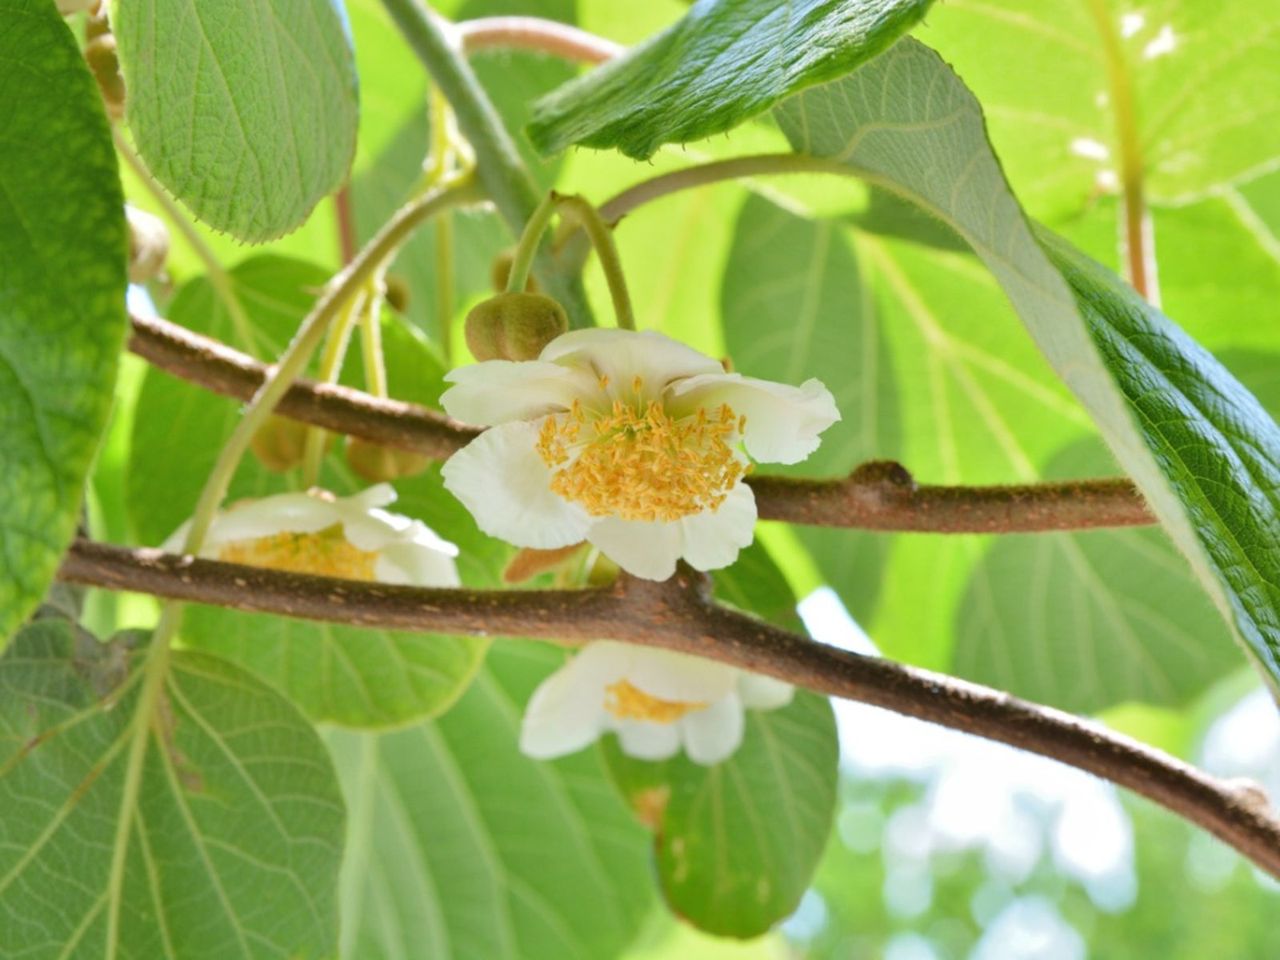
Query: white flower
x: 656, y: 701
x: 315, y: 532
x: 629, y: 440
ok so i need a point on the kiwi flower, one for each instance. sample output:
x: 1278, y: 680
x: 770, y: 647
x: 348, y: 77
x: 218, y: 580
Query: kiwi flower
x: 629, y: 440
x: 316, y: 532
x: 656, y: 701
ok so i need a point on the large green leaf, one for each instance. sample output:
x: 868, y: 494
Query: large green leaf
x: 725, y: 62
x: 1084, y: 621
x: 1194, y: 440
x: 334, y: 672
x: 737, y: 843
x: 459, y: 846
x: 244, y: 109
x: 231, y: 841
x: 1201, y: 78
x: 62, y: 246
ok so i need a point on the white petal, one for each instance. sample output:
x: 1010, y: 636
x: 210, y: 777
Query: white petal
x: 502, y: 480
x: 496, y: 391
x: 250, y: 519
x: 711, y: 735
x: 647, y: 741
x: 680, y: 677
x: 623, y: 355
x: 712, y: 539
x: 642, y: 548
x: 565, y: 713
x: 783, y: 422
x: 416, y: 565
x: 763, y: 693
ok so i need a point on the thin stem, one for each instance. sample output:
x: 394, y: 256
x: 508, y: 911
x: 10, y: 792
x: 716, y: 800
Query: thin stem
x: 375, y: 367
x: 344, y: 214
x: 679, y: 615
x: 502, y: 173
x: 446, y: 285
x: 307, y: 339
x: 607, y: 251
x: 537, y: 34
x: 880, y: 495
x: 336, y: 342
x: 530, y: 240
x: 218, y: 278
x: 1138, y: 240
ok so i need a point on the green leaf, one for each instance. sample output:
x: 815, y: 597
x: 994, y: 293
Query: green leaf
x: 1197, y: 443
x: 233, y: 847
x: 1085, y: 621
x: 736, y: 844
x: 725, y: 62
x: 459, y: 846
x: 62, y: 320
x: 1201, y: 77
x: 347, y: 675
x: 245, y: 110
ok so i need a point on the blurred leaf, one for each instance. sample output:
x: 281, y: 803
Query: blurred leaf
x: 62, y: 282
x: 334, y: 672
x: 737, y: 843
x: 1201, y: 77
x: 725, y: 62
x: 244, y: 109
x: 1197, y: 444
x: 232, y: 847
x: 459, y: 846
x: 1084, y: 621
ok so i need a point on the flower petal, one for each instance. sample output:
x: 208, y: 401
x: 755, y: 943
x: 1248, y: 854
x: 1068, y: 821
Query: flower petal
x: 414, y: 564
x: 566, y: 711
x: 679, y: 677
x: 502, y: 480
x: 248, y: 520
x: 640, y: 547
x: 783, y: 422
x: 763, y: 693
x: 711, y: 735
x: 623, y: 355
x: 712, y: 539
x: 497, y: 391
x: 647, y: 741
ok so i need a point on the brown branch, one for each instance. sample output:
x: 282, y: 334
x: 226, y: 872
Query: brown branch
x: 876, y: 496
x: 537, y: 34
x: 678, y: 615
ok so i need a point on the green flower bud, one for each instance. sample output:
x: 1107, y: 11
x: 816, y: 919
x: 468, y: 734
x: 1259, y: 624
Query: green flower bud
x: 100, y: 55
x: 148, y: 244
x: 500, y: 273
x: 397, y: 293
x: 514, y: 326
x: 376, y: 463
x: 279, y: 443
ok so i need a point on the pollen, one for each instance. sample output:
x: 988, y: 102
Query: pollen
x: 627, y: 702
x: 326, y: 553
x: 635, y: 461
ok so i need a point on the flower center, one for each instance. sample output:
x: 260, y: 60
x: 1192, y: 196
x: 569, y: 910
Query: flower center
x: 325, y: 553
x: 637, y: 462
x: 627, y: 702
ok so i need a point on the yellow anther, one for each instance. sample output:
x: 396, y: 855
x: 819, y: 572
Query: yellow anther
x: 325, y: 553
x: 639, y: 463
x: 627, y: 702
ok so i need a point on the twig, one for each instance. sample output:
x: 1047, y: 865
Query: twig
x: 534, y: 33
x: 679, y: 615
x: 876, y: 496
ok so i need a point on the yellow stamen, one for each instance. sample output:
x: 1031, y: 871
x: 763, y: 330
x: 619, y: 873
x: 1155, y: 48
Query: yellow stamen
x: 325, y: 553
x: 627, y: 702
x: 638, y: 462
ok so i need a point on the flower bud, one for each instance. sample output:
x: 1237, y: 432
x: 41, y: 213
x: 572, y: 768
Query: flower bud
x: 378, y: 463
x: 148, y: 244
x: 500, y: 273
x: 514, y: 326
x: 279, y: 443
x: 397, y: 293
x: 100, y: 55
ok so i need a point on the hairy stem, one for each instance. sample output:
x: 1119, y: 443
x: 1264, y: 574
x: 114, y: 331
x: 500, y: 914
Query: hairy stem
x: 679, y: 615
x: 502, y: 173
x: 876, y: 496
x: 336, y: 342
x: 534, y: 33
